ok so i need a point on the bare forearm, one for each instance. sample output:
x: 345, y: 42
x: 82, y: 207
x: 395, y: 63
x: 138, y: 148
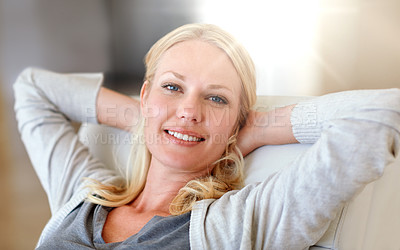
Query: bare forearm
x: 278, y: 128
x: 117, y: 110
x: 267, y: 128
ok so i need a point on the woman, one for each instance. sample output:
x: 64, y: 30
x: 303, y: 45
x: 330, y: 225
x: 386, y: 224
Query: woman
x: 198, y: 91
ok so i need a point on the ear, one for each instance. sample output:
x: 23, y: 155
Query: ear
x: 144, y: 93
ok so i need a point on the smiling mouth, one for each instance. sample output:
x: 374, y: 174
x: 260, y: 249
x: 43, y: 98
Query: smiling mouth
x: 184, y: 137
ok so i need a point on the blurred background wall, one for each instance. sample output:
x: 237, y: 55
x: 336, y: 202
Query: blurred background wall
x: 304, y: 47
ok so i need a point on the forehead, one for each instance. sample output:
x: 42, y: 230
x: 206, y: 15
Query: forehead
x: 200, y: 61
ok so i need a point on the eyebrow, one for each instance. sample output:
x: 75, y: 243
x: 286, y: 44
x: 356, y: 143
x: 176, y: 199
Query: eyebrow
x: 216, y: 86
x: 211, y: 86
x: 177, y: 75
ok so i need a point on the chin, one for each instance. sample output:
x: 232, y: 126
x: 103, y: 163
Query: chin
x: 185, y: 162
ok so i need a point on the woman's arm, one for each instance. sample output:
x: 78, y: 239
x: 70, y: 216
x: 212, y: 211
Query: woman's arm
x: 117, y: 110
x: 266, y: 128
x: 45, y: 104
x: 356, y: 134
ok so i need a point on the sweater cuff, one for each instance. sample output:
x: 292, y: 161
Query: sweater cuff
x: 305, y: 126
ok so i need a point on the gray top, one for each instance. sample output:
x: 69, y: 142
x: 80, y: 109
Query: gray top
x: 83, y: 227
x: 355, y: 135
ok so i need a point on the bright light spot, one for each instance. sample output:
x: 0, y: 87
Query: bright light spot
x: 279, y: 35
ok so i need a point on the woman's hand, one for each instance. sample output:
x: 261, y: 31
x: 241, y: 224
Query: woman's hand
x: 266, y: 128
x: 117, y: 110
x: 249, y: 136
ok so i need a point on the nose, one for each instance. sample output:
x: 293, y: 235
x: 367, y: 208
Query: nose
x: 189, y: 110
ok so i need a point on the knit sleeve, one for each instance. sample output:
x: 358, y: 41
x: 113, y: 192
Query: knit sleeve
x: 309, y: 117
x: 45, y: 104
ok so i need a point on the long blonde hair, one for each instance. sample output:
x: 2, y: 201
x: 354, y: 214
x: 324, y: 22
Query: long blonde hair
x: 227, y: 173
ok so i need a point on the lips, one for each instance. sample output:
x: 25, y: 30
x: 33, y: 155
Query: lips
x: 184, y: 136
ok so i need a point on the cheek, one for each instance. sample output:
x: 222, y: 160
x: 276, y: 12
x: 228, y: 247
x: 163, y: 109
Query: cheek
x: 155, y: 109
x: 152, y: 107
x: 154, y: 113
x: 221, y: 124
x: 151, y: 139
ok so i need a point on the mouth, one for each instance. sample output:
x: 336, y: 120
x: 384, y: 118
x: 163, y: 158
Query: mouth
x: 184, y: 137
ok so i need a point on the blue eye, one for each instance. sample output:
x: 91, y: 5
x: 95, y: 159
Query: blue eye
x: 171, y: 87
x: 218, y: 100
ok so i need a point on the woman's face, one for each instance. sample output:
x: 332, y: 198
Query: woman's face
x: 191, y: 106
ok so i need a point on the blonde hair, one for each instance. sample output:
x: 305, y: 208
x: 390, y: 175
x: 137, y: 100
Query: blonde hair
x: 227, y: 173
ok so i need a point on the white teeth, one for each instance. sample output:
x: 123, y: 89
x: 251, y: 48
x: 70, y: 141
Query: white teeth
x: 183, y: 136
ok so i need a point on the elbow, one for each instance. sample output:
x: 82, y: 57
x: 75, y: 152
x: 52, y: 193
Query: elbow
x: 26, y: 76
x: 383, y: 99
x: 22, y: 86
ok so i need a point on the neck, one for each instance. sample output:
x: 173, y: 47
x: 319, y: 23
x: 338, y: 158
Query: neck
x: 162, y: 185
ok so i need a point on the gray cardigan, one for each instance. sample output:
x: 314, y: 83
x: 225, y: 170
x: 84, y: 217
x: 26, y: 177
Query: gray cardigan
x: 355, y: 135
